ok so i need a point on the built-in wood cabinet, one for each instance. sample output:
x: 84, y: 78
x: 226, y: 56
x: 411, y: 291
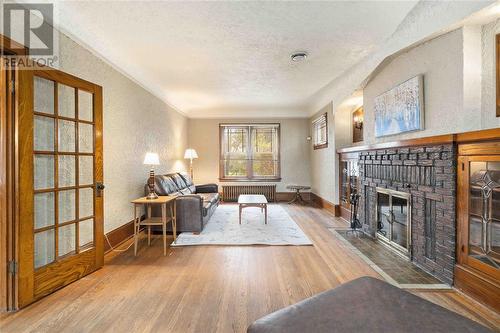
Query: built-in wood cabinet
x: 478, y: 221
x: 348, y: 182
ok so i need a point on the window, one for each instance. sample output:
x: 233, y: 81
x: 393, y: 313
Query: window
x: 320, y: 132
x: 249, y: 152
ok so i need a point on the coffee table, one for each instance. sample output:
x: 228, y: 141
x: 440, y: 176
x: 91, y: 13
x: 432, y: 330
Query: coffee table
x: 253, y: 200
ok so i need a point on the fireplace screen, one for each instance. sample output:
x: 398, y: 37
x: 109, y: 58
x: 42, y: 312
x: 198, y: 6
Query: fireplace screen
x: 393, y: 219
x: 484, y: 218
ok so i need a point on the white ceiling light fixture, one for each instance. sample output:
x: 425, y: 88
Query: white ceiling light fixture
x: 299, y: 56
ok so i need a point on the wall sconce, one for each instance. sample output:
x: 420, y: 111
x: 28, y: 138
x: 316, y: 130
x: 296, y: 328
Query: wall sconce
x: 358, y: 122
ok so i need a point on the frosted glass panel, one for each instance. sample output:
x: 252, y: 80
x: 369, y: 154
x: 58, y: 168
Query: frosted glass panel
x: 44, y: 171
x: 66, y: 136
x: 86, y: 202
x: 85, y: 106
x: 44, y: 133
x: 86, y: 233
x: 66, y: 99
x: 44, y: 95
x: 66, y: 239
x: 86, y: 138
x: 86, y: 170
x: 484, y: 215
x: 44, y: 209
x: 67, y: 206
x: 44, y: 248
x: 67, y: 170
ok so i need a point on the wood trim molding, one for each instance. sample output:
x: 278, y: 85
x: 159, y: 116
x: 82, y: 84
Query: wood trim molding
x: 483, y: 135
x: 323, y: 203
x: 118, y: 236
x: 11, y: 47
x: 472, y: 283
x: 288, y: 196
x: 465, y: 137
x: 432, y: 140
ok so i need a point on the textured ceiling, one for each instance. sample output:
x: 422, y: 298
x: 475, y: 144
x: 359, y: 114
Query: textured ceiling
x: 211, y: 59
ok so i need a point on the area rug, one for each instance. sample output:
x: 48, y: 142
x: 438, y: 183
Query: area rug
x: 223, y: 228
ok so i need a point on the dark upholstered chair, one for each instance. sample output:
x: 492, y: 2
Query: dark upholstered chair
x: 365, y: 305
x: 195, y: 204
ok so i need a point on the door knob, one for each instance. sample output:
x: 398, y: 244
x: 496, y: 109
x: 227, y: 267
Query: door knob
x: 98, y: 188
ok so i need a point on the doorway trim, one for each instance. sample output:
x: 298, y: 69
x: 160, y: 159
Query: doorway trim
x: 8, y: 252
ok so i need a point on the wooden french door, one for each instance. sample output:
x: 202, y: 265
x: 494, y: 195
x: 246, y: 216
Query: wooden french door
x: 60, y: 200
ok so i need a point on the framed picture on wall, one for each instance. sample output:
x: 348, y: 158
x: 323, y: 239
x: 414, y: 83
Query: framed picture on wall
x: 400, y: 109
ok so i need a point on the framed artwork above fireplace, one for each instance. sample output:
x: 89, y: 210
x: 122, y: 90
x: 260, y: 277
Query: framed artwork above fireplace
x: 400, y: 109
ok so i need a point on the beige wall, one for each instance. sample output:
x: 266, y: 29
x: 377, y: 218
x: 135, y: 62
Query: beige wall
x: 323, y: 181
x: 488, y: 75
x: 459, y: 84
x: 440, y: 61
x: 295, y: 166
x: 135, y: 122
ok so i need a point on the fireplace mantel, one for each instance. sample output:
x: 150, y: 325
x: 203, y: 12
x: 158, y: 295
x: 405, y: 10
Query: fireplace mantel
x: 456, y: 138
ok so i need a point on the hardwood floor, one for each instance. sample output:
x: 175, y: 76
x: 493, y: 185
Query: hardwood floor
x: 210, y: 288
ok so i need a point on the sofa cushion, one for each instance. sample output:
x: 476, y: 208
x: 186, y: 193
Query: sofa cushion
x: 187, y: 178
x: 177, y: 178
x: 364, y: 305
x: 185, y: 191
x: 206, y: 207
x: 164, y: 185
x: 212, y: 198
x: 189, y: 182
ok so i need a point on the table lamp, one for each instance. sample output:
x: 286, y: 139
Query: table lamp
x: 151, y: 159
x: 190, y: 154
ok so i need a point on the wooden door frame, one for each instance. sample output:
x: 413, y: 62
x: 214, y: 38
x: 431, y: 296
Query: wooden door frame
x: 8, y: 281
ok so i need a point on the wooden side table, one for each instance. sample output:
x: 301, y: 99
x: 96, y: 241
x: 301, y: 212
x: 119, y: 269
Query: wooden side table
x: 164, y: 201
x: 297, y: 189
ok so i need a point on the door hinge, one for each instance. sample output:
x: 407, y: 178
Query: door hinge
x: 12, y: 87
x: 12, y: 267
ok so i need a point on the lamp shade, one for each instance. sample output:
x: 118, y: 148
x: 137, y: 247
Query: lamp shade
x: 190, y: 153
x: 151, y: 159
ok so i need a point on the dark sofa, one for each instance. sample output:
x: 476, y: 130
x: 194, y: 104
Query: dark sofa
x: 195, y: 204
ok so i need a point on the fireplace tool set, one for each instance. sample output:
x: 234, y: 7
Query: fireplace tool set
x: 355, y: 223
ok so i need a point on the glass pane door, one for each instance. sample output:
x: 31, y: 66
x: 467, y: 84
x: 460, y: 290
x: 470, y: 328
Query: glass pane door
x: 399, y: 234
x: 384, y: 218
x: 393, y: 219
x: 484, y: 212
x: 60, y: 166
x: 63, y: 171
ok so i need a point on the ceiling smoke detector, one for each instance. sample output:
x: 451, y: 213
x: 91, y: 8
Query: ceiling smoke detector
x: 299, y: 56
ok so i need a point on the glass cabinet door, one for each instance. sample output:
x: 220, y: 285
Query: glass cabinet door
x: 344, y: 183
x: 484, y: 212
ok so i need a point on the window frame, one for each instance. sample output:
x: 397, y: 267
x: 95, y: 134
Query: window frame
x: 313, y: 123
x: 249, y: 176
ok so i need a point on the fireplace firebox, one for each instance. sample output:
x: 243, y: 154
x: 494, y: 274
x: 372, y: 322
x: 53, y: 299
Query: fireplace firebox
x: 394, y: 220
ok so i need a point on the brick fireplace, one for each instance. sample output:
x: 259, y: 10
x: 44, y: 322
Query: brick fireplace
x: 426, y: 174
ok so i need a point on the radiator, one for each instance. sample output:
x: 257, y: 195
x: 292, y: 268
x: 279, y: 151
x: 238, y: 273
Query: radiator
x: 231, y: 192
